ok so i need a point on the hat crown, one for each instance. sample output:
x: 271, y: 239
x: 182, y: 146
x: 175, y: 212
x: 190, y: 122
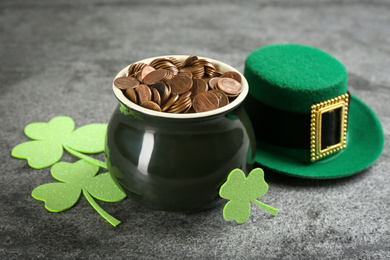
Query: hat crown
x: 294, y: 77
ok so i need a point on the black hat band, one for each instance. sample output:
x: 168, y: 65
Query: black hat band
x: 323, y: 131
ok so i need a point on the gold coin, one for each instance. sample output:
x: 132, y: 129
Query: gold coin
x: 135, y: 67
x: 213, y: 73
x: 181, y: 100
x: 180, y: 84
x: 198, y: 85
x: 213, y: 82
x: 230, y: 86
x: 188, y: 62
x: 168, y: 76
x: 206, y: 79
x: 222, y: 97
x: 169, y: 102
x: 183, y: 107
x: 126, y: 82
x: 155, y: 77
x: 156, y: 96
x: 196, y: 71
x: 206, y: 63
x: 185, y: 73
x: 161, y: 63
x: 177, y: 63
x: 174, y: 71
x: 130, y: 94
x: 145, y: 71
x: 232, y: 75
x: 144, y: 93
x: 164, y: 90
x: 205, y: 101
x: 151, y: 105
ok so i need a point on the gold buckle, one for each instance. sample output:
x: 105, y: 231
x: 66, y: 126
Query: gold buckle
x: 316, y: 151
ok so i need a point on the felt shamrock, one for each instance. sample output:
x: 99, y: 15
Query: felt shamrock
x: 50, y: 139
x: 241, y: 190
x: 76, y: 178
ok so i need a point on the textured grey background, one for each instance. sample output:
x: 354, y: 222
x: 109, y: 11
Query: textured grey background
x: 59, y: 58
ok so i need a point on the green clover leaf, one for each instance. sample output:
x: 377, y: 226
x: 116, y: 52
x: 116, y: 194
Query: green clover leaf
x: 88, y: 138
x: 237, y: 210
x: 50, y: 139
x: 39, y: 154
x: 76, y: 178
x: 241, y: 190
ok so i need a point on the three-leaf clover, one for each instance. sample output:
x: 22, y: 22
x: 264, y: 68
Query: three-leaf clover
x: 76, y: 178
x: 241, y: 190
x: 51, y: 138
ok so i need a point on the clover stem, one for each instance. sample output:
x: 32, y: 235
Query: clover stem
x: 270, y: 209
x: 86, y: 157
x: 113, y: 221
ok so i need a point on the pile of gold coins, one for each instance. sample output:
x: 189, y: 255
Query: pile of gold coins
x: 168, y: 85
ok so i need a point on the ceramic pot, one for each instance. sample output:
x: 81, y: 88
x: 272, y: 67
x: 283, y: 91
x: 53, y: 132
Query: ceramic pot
x: 177, y: 162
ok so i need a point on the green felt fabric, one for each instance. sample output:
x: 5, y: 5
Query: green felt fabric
x: 365, y: 141
x: 294, y: 77
x: 240, y: 190
x: 50, y: 138
x: 75, y: 179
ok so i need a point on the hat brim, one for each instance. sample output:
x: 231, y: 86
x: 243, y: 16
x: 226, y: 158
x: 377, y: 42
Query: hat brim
x: 365, y: 141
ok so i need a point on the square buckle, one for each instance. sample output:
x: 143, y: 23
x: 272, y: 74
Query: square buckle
x: 337, y: 105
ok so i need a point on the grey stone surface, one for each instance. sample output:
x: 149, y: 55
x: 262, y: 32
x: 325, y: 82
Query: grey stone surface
x: 59, y: 58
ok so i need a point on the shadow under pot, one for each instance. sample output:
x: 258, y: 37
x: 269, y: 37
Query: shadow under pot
x: 177, y: 162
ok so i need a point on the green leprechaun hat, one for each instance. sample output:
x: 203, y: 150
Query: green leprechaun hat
x: 306, y: 122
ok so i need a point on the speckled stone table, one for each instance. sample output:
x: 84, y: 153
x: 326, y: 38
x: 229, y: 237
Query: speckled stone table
x: 60, y: 57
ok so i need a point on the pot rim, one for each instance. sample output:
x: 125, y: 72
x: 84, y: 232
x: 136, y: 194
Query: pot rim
x: 221, y: 66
